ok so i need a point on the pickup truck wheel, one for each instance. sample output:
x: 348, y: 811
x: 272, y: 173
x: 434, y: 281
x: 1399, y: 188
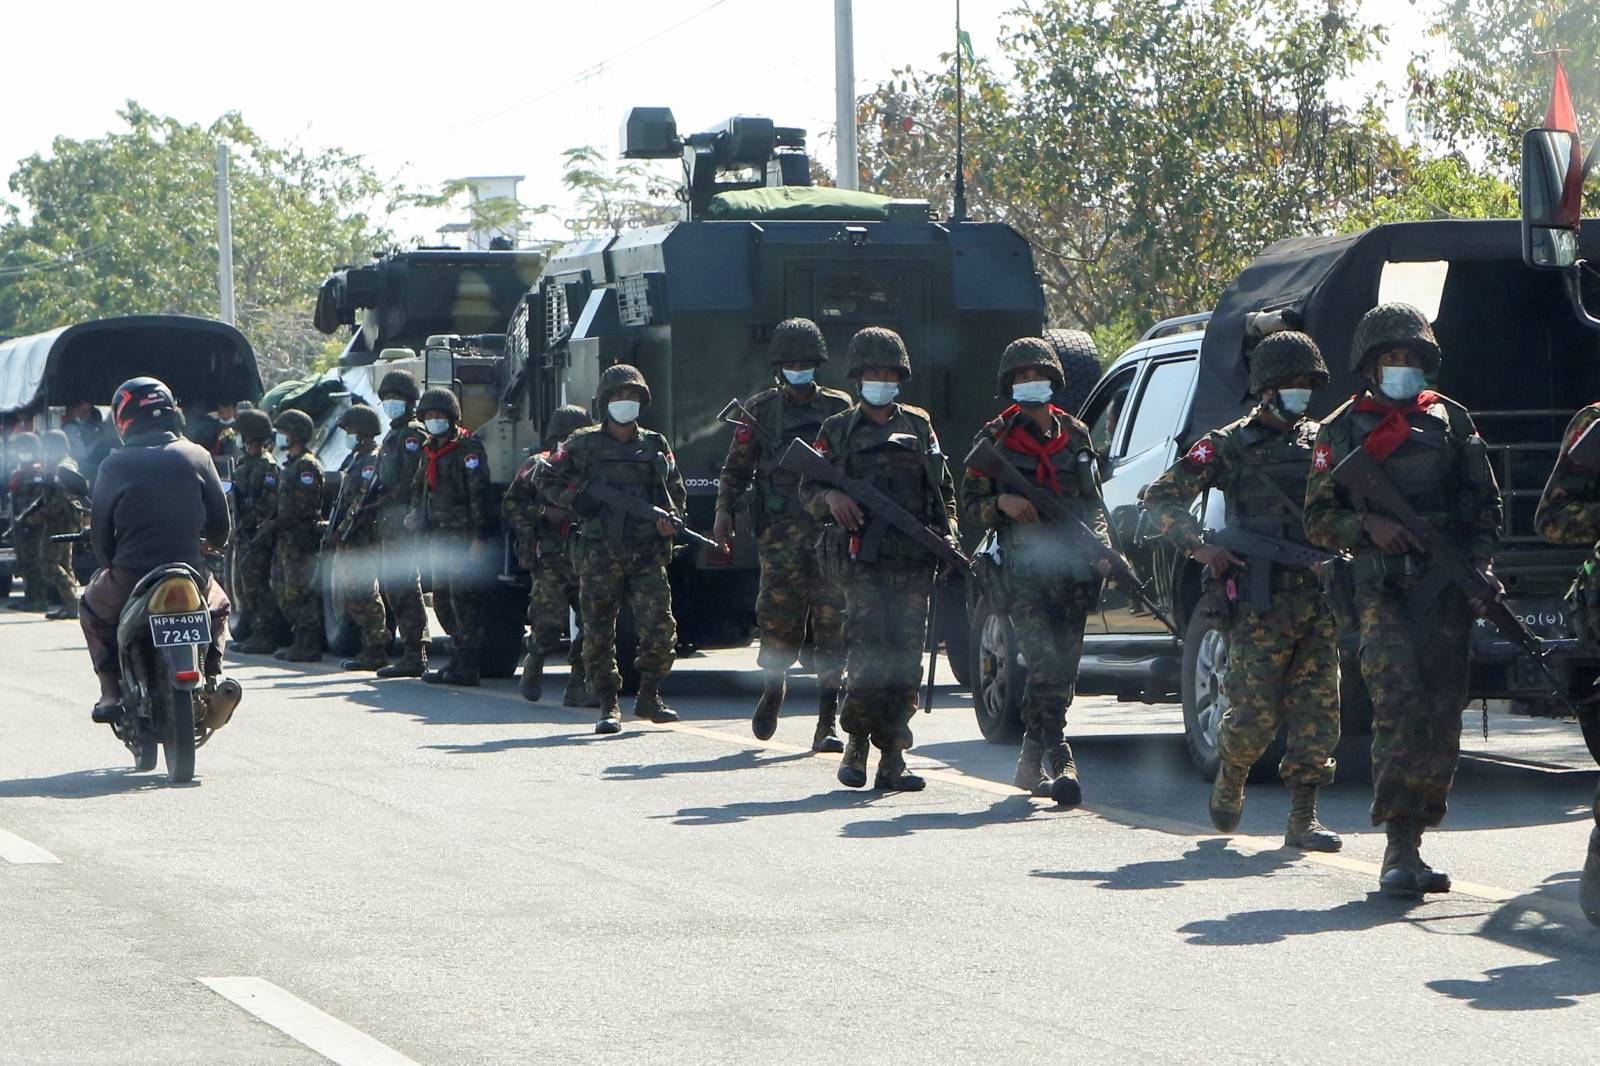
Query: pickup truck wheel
x: 997, y: 677
x: 1205, y: 697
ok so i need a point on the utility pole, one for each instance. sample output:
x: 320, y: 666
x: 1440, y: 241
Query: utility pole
x: 844, y: 89
x: 224, y: 237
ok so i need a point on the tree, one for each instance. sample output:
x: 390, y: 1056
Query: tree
x: 612, y: 199
x: 126, y: 224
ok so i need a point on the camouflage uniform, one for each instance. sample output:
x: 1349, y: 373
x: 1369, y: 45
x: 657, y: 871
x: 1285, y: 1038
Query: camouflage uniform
x: 255, y: 495
x: 66, y: 497
x: 27, y: 485
x: 355, y: 538
x: 451, y: 497
x: 1413, y: 650
x: 399, y: 575
x: 295, y: 541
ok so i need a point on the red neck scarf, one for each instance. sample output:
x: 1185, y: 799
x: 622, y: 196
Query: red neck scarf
x: 1394, y: 429
x: 1018, y: 439
x: 435, y: 454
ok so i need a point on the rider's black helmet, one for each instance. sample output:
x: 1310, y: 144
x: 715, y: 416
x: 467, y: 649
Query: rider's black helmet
x: 143, y: 404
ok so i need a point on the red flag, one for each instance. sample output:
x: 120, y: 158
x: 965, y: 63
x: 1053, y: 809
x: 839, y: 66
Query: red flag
x: 1560, y: 115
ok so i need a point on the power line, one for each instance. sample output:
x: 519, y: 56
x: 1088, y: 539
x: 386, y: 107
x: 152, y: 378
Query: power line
x: 70, y: 259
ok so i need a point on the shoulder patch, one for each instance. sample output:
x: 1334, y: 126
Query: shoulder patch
x: 308, y: 478
x: 411, y: 444
x: 473, y: 462
x: 270, y: 480
x: 1322, y: 457
x: 744, y: 434
x: 821, y: 446
x: 368, y: 472
x: 1200, y: 454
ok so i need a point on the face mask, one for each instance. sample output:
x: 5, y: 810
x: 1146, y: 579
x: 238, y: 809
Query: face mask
x: 281, y: 441
x: 1401, y: 382
x: 879, y: 393
x: 623, y: 411
x: 1294, y: 401
x: 225, y: 421
x: 799, y: 377
x: 1032, y: 393
x: 437, y: 426
x: 393, y: 409
x: 25, y: 457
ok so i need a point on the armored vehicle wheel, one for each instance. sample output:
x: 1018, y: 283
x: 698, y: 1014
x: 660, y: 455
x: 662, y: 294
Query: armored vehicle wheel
x: 997, y: 677
x: 1205, y: 698
x: 341, y: 634
x: 1080, y: 366
x: 955, y: 630
x: 505, y: 607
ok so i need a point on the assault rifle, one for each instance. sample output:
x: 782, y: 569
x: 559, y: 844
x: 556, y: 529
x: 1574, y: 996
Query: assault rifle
x: 1361, y: 474
x: 627, y: 504
x: 986, y: 459
x: 806, y: 461
x: 1267, y: 550
x: 1584, y: 453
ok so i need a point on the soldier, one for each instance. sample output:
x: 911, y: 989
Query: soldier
x: 1414, y: 632
x: 255, y: 500
x: 1045, y: 588
x: 64, y: 503
x: 544, y: 547
x: 399, y: 576
x: 792, y: 585
x: 354, y: 533
x: 450, y: 499
x: 1283, y: 655
x: 1569, y: 513
x: 293, y: 533
x: 620, y: 554
x: 27, y: 485
x: 894, y: 447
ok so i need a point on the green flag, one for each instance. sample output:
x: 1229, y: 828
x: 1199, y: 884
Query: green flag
x: 964, y: 39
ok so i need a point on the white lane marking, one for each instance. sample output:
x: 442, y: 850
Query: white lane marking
x: 15, y: 849
x: 300, y: 1021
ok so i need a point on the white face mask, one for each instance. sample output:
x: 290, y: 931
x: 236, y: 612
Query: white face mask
x: 880, y: 393
x: 1294, y: 401
x: 226, y: 421
x: 25, y: 457
x: 1032, y: 393
x: 438, y: 427
x: 1401, y: 382
x: 393, y: 409
x: 623, y: 411
x: 280, y: 440
x: 799, y: 377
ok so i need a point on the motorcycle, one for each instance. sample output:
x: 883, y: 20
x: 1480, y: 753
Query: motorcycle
x: 162, y: 638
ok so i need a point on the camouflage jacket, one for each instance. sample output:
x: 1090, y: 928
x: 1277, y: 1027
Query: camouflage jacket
x: 542, y: 529
x: 255, y: 492
x: 358, y: 474
x: 65, y: 498
x: 1569, y: 510
x: 398, y: 457
x: 450, y: 489
x: 642, y: 465
x: 298, y: 511
x: 26, y: 484
x: 755, y: 451
x: 1074, y: 467
x: 1445, y: 475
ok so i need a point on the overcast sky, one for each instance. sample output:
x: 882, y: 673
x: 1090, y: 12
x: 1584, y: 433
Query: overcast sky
x: 431, y: 91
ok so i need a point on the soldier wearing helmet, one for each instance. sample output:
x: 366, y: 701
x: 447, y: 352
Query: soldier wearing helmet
x: 792, y: 586
x: 25, y: 483
x: 1414, y: 645
x: 294, y: 533
x: 353, y: 531
x: 399, y: 574
x: 544, y: 544
x: 1045, y: 589
x: 62, y: 510
x: 255, y: 502
x: 1283, y: 662
x: 887, y: 577
x: 619, y: 554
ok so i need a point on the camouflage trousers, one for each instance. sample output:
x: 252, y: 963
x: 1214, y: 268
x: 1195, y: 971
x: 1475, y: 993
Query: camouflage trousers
x: 793, y: 589
x: 400, y: 582
x: 1414, y: 662
x: 27, y: 540
x: 885, y: 628
x: 252, y: 587
x: 294, y: 583
x: 1048, y: 619
x: 356, y: 569
x: 1283, y: 668
x: 607, y: 575
x: 458, y: 584
x: 551, y: 600
x: 55, y: 568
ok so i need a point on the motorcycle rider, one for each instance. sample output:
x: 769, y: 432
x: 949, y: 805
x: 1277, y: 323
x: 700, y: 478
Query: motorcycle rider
x: 155, y: 500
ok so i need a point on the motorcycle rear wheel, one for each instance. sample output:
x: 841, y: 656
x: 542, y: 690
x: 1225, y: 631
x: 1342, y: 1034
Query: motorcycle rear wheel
x: 177, y: 741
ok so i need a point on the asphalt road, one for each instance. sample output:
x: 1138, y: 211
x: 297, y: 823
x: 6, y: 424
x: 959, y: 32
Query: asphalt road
x: 388, y: 872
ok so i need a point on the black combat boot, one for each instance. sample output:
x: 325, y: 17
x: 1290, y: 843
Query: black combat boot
x: 577, y: 693
x: 307, y: 646
x: 1589, y: 883
x: 67, y: 609
x: 648, y: 703
x: 1062, y: 771
x: 531, y: 684
x: 1030, y: 774
x: 764, y: 722
x: 893, y: 775
x: 413, y: 663
x: 826, y: 739
x: 1304, y: 831
x: 1429, y: 879
x: 610, y: 714
x: 1398, y: 878
x: 853, y: 767
x: 372, y: 657
x: 1227, y: 796
x: 461, y: 670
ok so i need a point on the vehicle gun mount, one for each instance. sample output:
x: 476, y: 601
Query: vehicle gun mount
x: 762, y: 155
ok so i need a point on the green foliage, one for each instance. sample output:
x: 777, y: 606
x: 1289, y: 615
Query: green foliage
x: 611, y: 199
x: 126, y: 224
x: 504, y: 214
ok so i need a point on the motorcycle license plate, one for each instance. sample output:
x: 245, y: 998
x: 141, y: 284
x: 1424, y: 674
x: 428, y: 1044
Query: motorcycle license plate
x: 177, y: 630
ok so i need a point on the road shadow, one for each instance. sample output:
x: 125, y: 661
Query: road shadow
x: 1011, y: 809
x: 1208, y: 860
x: 560, y: 740
x: 745, y: 759
x: 1275, y: 926
x: 734, y: 813
x: 87, y: 784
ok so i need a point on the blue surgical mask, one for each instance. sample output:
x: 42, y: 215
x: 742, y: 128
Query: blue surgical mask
x: 393, y: 409
x: 438, y: 427
x: 799, y: 377
x: 281, y: 441
x: 623, y: 411
x: 880, y: 393
x: 1032, y: 393
x: 1401, y: 382
x: 1294, y: 401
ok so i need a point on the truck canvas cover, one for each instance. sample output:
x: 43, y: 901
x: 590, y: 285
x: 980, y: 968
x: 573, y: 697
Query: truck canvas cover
x: 800, y: 202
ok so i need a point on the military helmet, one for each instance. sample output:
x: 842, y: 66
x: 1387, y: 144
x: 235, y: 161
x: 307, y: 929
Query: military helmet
x: 1395, y: 325
x: 141, y: 404
x: 400, y: 383
x: 254, y: 425
x: 563, y: 420
x: 1286, y: 354
x: 25, y: 439
x: 1022, y: 353
x: 615, y: 377
x: 361, y: 420
x: 296, y: 425
x: 1080, y: 366
x: 877, y: 348
x: 440, y: 400
x: 798, y: 340
x: 55, y: 444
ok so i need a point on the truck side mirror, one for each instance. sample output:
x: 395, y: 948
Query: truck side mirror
x: 1549, y: 226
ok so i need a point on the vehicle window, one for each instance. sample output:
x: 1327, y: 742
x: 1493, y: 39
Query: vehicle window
x: 1162, y: 403
x: 1104, y: 412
